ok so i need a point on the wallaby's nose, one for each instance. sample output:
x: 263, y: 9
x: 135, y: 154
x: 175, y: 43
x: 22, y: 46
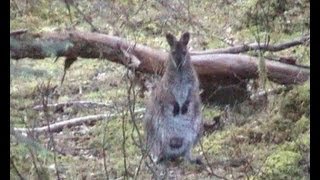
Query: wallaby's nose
x: 176, y: 142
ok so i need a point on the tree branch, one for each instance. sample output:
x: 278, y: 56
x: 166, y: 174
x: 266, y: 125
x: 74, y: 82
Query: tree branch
x: 18, y: 32
x: 255, y: 46
x: 55, y: 127
x: 72, y: 103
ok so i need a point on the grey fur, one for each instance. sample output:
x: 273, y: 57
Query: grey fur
x: 173, y: 119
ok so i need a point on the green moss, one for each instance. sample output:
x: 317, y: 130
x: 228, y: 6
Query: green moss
x: 210, y: 112
x: 212, y: 147
x: 301, y: 126
x: 282, y: 165
x: 278, y: 124
x: 296, y: 103
x: 303, y: 142
x: 214, y: 143
x: 288, y: 146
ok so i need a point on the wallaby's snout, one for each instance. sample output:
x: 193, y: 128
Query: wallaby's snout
x: 176, y: 142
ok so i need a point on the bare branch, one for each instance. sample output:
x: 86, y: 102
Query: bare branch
x: 73, y: 103
x: 255, y: 46
x: 269, y: 92
x: 14, y: 167
x: 18, y: 32
x: 55, y: 127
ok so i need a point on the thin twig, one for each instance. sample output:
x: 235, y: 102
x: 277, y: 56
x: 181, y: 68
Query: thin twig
x: 44, y: 99
x: 104, y: 153
x: 34, y: 161
x: 131, y: 94
x: 124, y: 152
x: 208, y: 162
x: 15, y: 169
x: 93, y: 27
x: 67, y: 3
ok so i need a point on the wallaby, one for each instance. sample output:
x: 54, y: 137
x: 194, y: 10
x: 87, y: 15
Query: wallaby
x: 173, y: 119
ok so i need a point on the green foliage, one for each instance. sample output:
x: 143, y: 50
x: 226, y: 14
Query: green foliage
x: 282, y: 165
x: 213, y: 143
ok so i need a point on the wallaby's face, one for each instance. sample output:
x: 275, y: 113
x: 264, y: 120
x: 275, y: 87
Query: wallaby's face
x: 178, y: 49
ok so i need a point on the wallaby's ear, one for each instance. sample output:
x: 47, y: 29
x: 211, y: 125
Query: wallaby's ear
x: 170, y: 39
x: 185, y: 38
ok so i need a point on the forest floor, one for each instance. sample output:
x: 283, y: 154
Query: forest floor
x: 251, y: 141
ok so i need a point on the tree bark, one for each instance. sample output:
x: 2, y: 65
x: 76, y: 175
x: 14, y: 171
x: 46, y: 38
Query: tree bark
x: 214, y: 70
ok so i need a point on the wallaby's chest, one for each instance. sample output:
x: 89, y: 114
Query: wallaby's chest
x: 181, y: 88
x: 181, y: 92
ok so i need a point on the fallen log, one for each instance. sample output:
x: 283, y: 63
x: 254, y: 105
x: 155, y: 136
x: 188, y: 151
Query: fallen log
x: 214, y: 70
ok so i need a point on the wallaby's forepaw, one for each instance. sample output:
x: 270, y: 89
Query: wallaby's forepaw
x: 197, y: 160
x: 160, y: 160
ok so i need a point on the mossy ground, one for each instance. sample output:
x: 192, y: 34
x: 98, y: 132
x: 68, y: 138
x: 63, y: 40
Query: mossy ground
x: 274, y: 144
